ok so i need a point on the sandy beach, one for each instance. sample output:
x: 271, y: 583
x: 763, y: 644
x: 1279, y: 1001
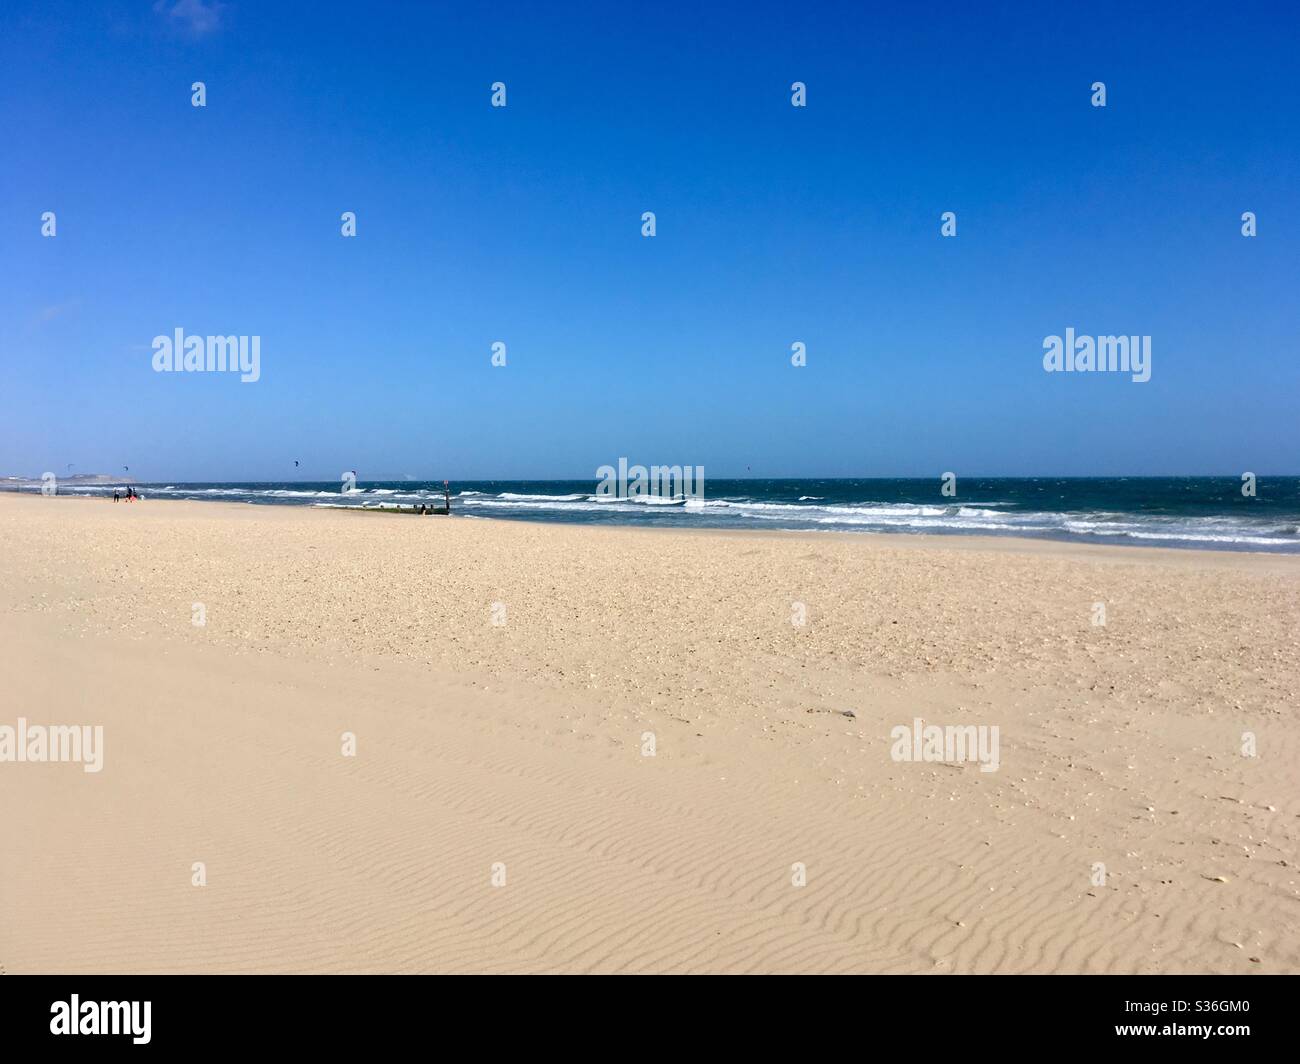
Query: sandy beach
x: 586, y: 749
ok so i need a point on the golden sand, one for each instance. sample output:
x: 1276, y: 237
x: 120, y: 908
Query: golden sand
x: 504, y: 682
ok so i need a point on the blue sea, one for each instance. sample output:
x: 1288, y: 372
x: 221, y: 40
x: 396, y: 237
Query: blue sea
x: 1199, y: 512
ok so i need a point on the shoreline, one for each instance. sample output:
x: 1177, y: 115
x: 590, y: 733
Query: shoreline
x: 954, y: 540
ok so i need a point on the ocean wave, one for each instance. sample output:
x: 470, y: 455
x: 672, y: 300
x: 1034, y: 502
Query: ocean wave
x: 575, y: 506
x: 1102, y: 524
x: 514, y: 497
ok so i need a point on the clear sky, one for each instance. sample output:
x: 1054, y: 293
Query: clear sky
x: 522, y: 224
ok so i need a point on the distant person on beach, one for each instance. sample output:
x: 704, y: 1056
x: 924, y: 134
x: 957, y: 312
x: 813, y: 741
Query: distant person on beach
x: 116, y: 497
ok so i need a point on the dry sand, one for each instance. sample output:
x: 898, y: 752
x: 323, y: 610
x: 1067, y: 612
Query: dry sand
x: 521, y: 744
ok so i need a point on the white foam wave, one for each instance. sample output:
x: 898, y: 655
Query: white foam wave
x: 514, y: 497
x: 809, y: 513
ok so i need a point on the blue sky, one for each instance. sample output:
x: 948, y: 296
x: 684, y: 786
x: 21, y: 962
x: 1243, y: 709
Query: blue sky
x: 523, y: 224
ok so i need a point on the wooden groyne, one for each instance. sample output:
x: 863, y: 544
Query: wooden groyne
x: 419, y: 509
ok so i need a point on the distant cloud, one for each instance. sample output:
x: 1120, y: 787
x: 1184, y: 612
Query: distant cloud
x: 191, y: 16
x: 54, y: 310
